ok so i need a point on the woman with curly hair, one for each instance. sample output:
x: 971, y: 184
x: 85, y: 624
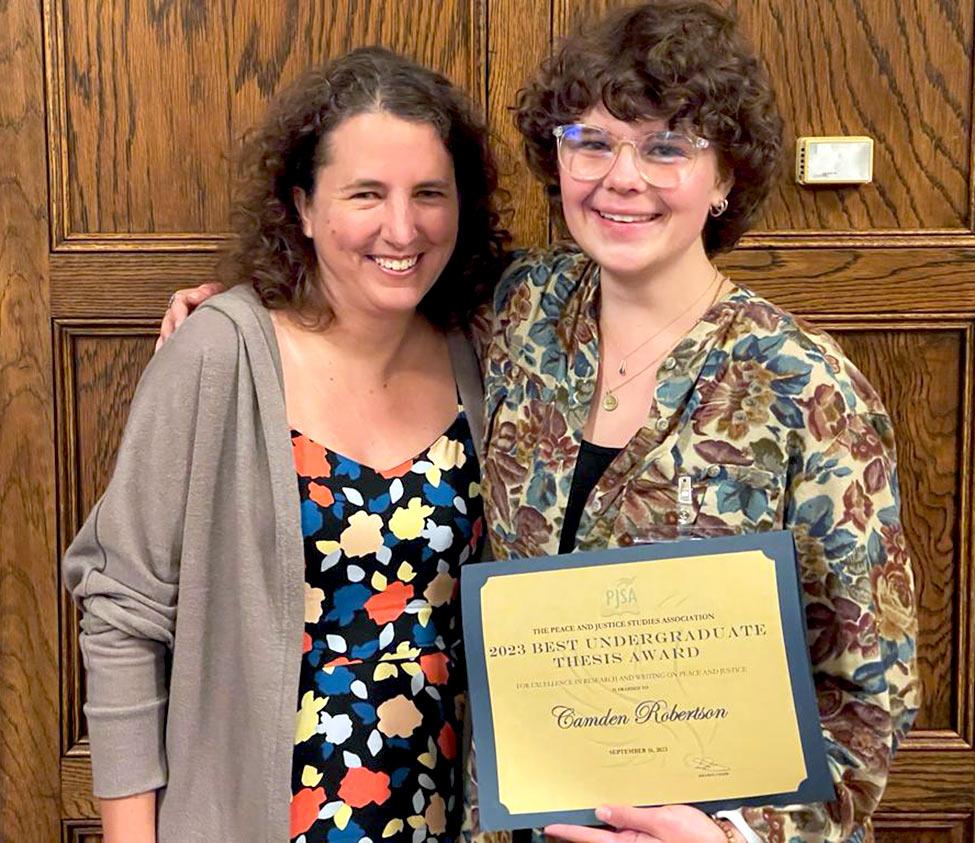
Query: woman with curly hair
x: 636, y: 393
x: 297, y: 488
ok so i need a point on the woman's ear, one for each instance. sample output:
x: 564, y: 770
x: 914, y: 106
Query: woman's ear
x: 722, y: 186
x: 302, y: 202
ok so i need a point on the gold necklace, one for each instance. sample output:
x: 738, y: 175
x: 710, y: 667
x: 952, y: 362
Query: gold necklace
x: 610, y: 401
x: 671, y: 323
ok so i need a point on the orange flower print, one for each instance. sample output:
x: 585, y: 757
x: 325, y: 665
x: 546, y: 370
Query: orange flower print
x: 389, y: 604
x: 305, y: 805
x: 320, y: 494
x: 305, y: 643
x: 398, y: 717
x: 361, y: 786
x: 311, y: 459
x: 397, y: 470
x: 448, y: 742
x: 340, y: 661
x: 434, y: 666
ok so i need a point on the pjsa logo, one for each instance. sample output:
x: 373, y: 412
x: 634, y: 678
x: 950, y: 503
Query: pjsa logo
x: 620, y: 598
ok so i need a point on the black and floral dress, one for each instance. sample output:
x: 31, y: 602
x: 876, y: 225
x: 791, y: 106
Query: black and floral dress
x: 377, y: 737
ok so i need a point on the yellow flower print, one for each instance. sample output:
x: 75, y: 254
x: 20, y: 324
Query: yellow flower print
x: 393, y: 827
x: 447, y: 453
x: 310, y: 776
x: 307, y: 721
x: 407, y: 522
x: 313, y: 603
x: 363, y: 535
x: 398, y: 717
x: 403, y: 651
x: 440, y: 589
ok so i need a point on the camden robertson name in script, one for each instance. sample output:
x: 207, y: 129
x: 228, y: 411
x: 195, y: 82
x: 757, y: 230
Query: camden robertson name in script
x: 648, y: 711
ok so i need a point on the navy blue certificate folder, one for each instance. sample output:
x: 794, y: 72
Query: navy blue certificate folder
x: 777, y: 546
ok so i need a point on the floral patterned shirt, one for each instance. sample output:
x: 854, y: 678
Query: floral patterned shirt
x: 776, y: 429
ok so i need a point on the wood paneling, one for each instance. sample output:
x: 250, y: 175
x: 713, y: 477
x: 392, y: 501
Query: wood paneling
x: 98, y: 365
x: 28, y: 579
x: 147, y: 99
x: 931, y: 782
x: 519, y: 36
x: 81, y: 831
x: 144, y: 102
x: 922, y: 375
x: 76, y: 799
x: 906, y: 282
x: 837, y: 72
x: 922, y: 828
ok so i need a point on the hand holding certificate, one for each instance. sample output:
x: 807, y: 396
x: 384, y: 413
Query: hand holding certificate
x: 667, y: 673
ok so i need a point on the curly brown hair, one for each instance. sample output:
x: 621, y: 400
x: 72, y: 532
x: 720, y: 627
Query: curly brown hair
x: 285, y: 151
x: 682, y: 61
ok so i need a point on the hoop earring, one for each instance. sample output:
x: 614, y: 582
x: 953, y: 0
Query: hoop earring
x: 718, y: 209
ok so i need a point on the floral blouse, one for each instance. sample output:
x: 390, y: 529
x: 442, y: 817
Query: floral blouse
x: 775, y: 429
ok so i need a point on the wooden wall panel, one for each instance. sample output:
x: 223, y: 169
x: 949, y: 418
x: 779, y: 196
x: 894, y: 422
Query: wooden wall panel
x: 99, y: 363
x: 28, y: 581
x: 923, y: 828
x: 898, y: 72
x: 849, y: 281
x: 519, y: 36
x: 148, y: 99
x: 81, y: 831
x: 921, y: 374
x: 837, y: 71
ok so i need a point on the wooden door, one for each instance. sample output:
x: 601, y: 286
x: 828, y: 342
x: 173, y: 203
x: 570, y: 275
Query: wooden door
x: 115, y: 123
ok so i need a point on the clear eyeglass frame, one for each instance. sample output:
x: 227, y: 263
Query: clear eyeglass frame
x: 656, y: 174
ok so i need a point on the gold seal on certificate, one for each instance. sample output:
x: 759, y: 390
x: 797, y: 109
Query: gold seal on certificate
x: 643, y: 676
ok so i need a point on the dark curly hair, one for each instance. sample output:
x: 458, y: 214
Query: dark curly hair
x: 682, y: 61
x: 284, y: 152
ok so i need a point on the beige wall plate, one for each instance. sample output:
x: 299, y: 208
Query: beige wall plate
x: 834, y: 160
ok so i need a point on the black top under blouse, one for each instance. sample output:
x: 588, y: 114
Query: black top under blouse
x: 592, y: 462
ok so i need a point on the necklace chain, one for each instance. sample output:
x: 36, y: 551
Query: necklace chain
x: 670, y: 324
x: 610, y: 401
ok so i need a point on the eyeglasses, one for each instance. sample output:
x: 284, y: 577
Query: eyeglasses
x: 663, y: 159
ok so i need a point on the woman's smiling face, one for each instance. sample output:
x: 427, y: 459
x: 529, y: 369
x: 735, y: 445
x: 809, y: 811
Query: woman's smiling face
x: 630, y: 228
x: 384, y: 213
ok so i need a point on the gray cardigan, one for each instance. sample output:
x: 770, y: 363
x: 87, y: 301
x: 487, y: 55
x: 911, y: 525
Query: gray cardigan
x: 190, y: 572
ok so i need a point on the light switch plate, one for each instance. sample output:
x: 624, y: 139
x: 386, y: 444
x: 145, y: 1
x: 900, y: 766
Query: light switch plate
x: 834, y: 160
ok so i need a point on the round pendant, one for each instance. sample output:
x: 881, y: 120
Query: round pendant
x: 610, y: 402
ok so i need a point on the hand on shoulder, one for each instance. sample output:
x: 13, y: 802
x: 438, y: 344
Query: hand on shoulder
x: 181, y: 304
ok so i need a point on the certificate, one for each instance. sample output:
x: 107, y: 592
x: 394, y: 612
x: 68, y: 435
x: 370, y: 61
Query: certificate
x: 674, y: 672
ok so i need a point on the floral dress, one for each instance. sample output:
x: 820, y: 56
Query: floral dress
x: 378, y: 725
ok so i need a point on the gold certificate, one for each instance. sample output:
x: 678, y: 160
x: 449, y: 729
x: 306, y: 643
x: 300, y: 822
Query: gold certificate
x: 610, y: 678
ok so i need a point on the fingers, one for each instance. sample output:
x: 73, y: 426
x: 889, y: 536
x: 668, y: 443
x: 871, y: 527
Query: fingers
x: 669, y: 823
x: 582, y: 834
x: 197, y: 295
x: 623, y: 816
x: 182, y: 304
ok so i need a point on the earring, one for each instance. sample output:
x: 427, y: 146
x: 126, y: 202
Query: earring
x: 719, y: 208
